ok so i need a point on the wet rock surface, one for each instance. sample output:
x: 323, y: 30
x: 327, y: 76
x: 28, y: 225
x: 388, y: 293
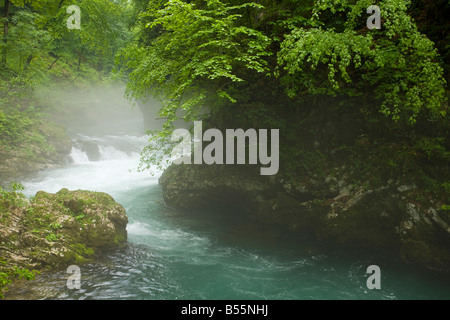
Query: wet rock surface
x: 335, y: 211
x: 54, y: 230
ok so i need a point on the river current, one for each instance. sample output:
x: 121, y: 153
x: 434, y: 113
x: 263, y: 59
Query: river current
x: 211, y: 255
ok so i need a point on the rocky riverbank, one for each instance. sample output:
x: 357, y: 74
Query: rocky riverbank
x: 384, y: 219
x: 58, y: 230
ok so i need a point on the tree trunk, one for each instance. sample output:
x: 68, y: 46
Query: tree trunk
x: 5, y: 29
x: 80, y: 56
x: 27, y: 63
x: 57, y: 58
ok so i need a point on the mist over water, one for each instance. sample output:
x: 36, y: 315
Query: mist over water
x: 210, y: 255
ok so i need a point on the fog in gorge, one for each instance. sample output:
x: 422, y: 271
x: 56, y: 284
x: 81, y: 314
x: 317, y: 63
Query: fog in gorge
x: 95, y: 110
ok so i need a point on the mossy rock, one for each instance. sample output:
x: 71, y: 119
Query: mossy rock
x: 69, y: 227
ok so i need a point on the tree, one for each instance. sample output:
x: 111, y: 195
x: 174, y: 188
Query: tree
x: 396, y: 68
x: 102, y: 30
x: 213, y: 55
x: 190, y: 54
x: 6, y: 10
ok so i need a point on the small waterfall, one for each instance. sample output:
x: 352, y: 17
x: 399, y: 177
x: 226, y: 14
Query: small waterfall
x: 77, y: 156
x: 98, y: 163
x: 111, y: 153
x: 91, y: 149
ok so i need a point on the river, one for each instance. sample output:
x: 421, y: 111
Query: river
x: 177, y: 255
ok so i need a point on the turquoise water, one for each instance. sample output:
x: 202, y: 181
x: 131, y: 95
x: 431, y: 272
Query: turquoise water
x: 211, y: 255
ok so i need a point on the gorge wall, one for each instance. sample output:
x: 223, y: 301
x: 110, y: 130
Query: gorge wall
x: 339, y: 180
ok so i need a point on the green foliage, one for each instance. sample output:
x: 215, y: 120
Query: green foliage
x: 197, y: 52
x: 446, y: 187
x: 12, y: 197
x: 38, y: 50
x: 52, y: 237
x: 7, y: 275
x: 102, y: 32
x: 154, y: 154
x: 13, y: 125
x: 191, y: 56
x: 202, y: 58
x: 55, y: 225
x: 25, y: 273
x: 44, y: 30
x: 304, y: 50
x: 39, y: 47
x: 80, y: 217
x: 396, y: 68
x: 434, y: 148
x: 5, y: 280
x: 25, y: 41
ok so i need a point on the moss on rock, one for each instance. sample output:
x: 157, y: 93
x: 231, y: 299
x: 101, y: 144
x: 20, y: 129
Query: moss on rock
x: 57, y: 230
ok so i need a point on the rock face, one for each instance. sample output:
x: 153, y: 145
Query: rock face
x: 53, y: 230
x: 90, y: 148
x: 386, y: 219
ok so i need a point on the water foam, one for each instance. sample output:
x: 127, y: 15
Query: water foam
x: 78, y: 156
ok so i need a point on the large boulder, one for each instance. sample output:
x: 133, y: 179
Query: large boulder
x: 53, y: 230
x: 90, y: 148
